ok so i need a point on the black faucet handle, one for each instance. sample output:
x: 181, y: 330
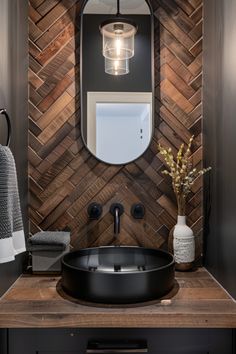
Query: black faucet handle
x: 94, y: 211
x: 138, y: 211
x: 115, y: 206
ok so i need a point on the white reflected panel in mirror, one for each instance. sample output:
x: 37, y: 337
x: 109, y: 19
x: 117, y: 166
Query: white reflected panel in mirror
x: 122, y: 131
x: 119, y: 125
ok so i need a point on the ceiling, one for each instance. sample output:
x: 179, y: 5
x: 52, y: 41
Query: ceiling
x: 137, y: 7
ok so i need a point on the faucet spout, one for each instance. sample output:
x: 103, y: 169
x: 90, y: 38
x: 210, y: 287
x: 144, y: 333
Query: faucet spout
x: 116, y: 210
x: 117, y: 221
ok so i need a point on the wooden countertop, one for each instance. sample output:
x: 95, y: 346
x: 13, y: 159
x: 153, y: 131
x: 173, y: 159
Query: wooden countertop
x: 197, y: 300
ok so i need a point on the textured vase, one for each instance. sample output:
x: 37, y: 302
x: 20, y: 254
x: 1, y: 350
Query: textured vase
x: 183, y: 245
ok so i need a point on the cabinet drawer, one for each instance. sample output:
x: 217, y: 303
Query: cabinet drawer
x: 159, y: 341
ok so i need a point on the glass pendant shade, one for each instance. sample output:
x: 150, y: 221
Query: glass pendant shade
x: 118, y: 39
x: 116, y: 67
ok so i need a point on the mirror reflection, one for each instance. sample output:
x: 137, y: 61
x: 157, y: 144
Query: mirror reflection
x: 117, y: 79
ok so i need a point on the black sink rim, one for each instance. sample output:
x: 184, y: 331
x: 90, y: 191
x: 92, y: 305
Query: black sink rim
x: 70, y: 254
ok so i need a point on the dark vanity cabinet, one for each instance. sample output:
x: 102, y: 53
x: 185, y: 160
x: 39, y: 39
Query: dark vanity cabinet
x: 159, y: 341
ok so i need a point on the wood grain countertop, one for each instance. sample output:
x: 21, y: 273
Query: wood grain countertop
x: 197, y: 300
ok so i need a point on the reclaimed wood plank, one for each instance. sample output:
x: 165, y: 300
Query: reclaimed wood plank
x: 174, y: 29
x: 197, y: 301
x: 55, y: 46
x: 56, y: 12
x: 168, y: 89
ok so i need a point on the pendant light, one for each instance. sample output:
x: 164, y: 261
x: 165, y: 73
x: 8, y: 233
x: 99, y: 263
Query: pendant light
x: 116, y: 67
x: 118, y: 37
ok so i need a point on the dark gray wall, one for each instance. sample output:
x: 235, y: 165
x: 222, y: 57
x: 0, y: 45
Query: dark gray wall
x: 219, y: 98
x: 13, y: 97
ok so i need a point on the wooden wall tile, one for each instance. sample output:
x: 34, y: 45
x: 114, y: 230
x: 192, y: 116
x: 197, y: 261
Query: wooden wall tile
x: 64, y: 177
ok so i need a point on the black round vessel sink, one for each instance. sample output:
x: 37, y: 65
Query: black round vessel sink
x: 118, y: 274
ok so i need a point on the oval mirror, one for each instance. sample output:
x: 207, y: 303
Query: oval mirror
x: 117, y: 79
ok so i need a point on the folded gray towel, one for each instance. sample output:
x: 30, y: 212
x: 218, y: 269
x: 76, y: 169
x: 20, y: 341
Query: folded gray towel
x: 52, y: 238
x: 53, y: 248
x: 12, y: 238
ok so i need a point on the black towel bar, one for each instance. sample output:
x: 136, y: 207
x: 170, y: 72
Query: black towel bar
x: 4, y: 112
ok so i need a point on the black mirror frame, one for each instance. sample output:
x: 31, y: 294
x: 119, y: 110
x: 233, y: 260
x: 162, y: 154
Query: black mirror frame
x: 152, y: 78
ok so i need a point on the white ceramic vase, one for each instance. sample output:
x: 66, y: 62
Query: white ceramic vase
x: 183, y: 242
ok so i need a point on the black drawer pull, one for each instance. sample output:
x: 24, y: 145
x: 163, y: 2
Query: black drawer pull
x: 115, y: 347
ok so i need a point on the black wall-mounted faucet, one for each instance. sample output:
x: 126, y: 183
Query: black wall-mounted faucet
x: 116, y: 210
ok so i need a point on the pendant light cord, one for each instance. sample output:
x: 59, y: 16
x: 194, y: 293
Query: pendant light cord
x: 118, y: 8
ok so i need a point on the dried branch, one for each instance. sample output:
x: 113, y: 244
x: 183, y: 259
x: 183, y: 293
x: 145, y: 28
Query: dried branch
x: 181, y: 171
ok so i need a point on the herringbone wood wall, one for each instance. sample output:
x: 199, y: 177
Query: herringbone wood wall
x: 64, y: 177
